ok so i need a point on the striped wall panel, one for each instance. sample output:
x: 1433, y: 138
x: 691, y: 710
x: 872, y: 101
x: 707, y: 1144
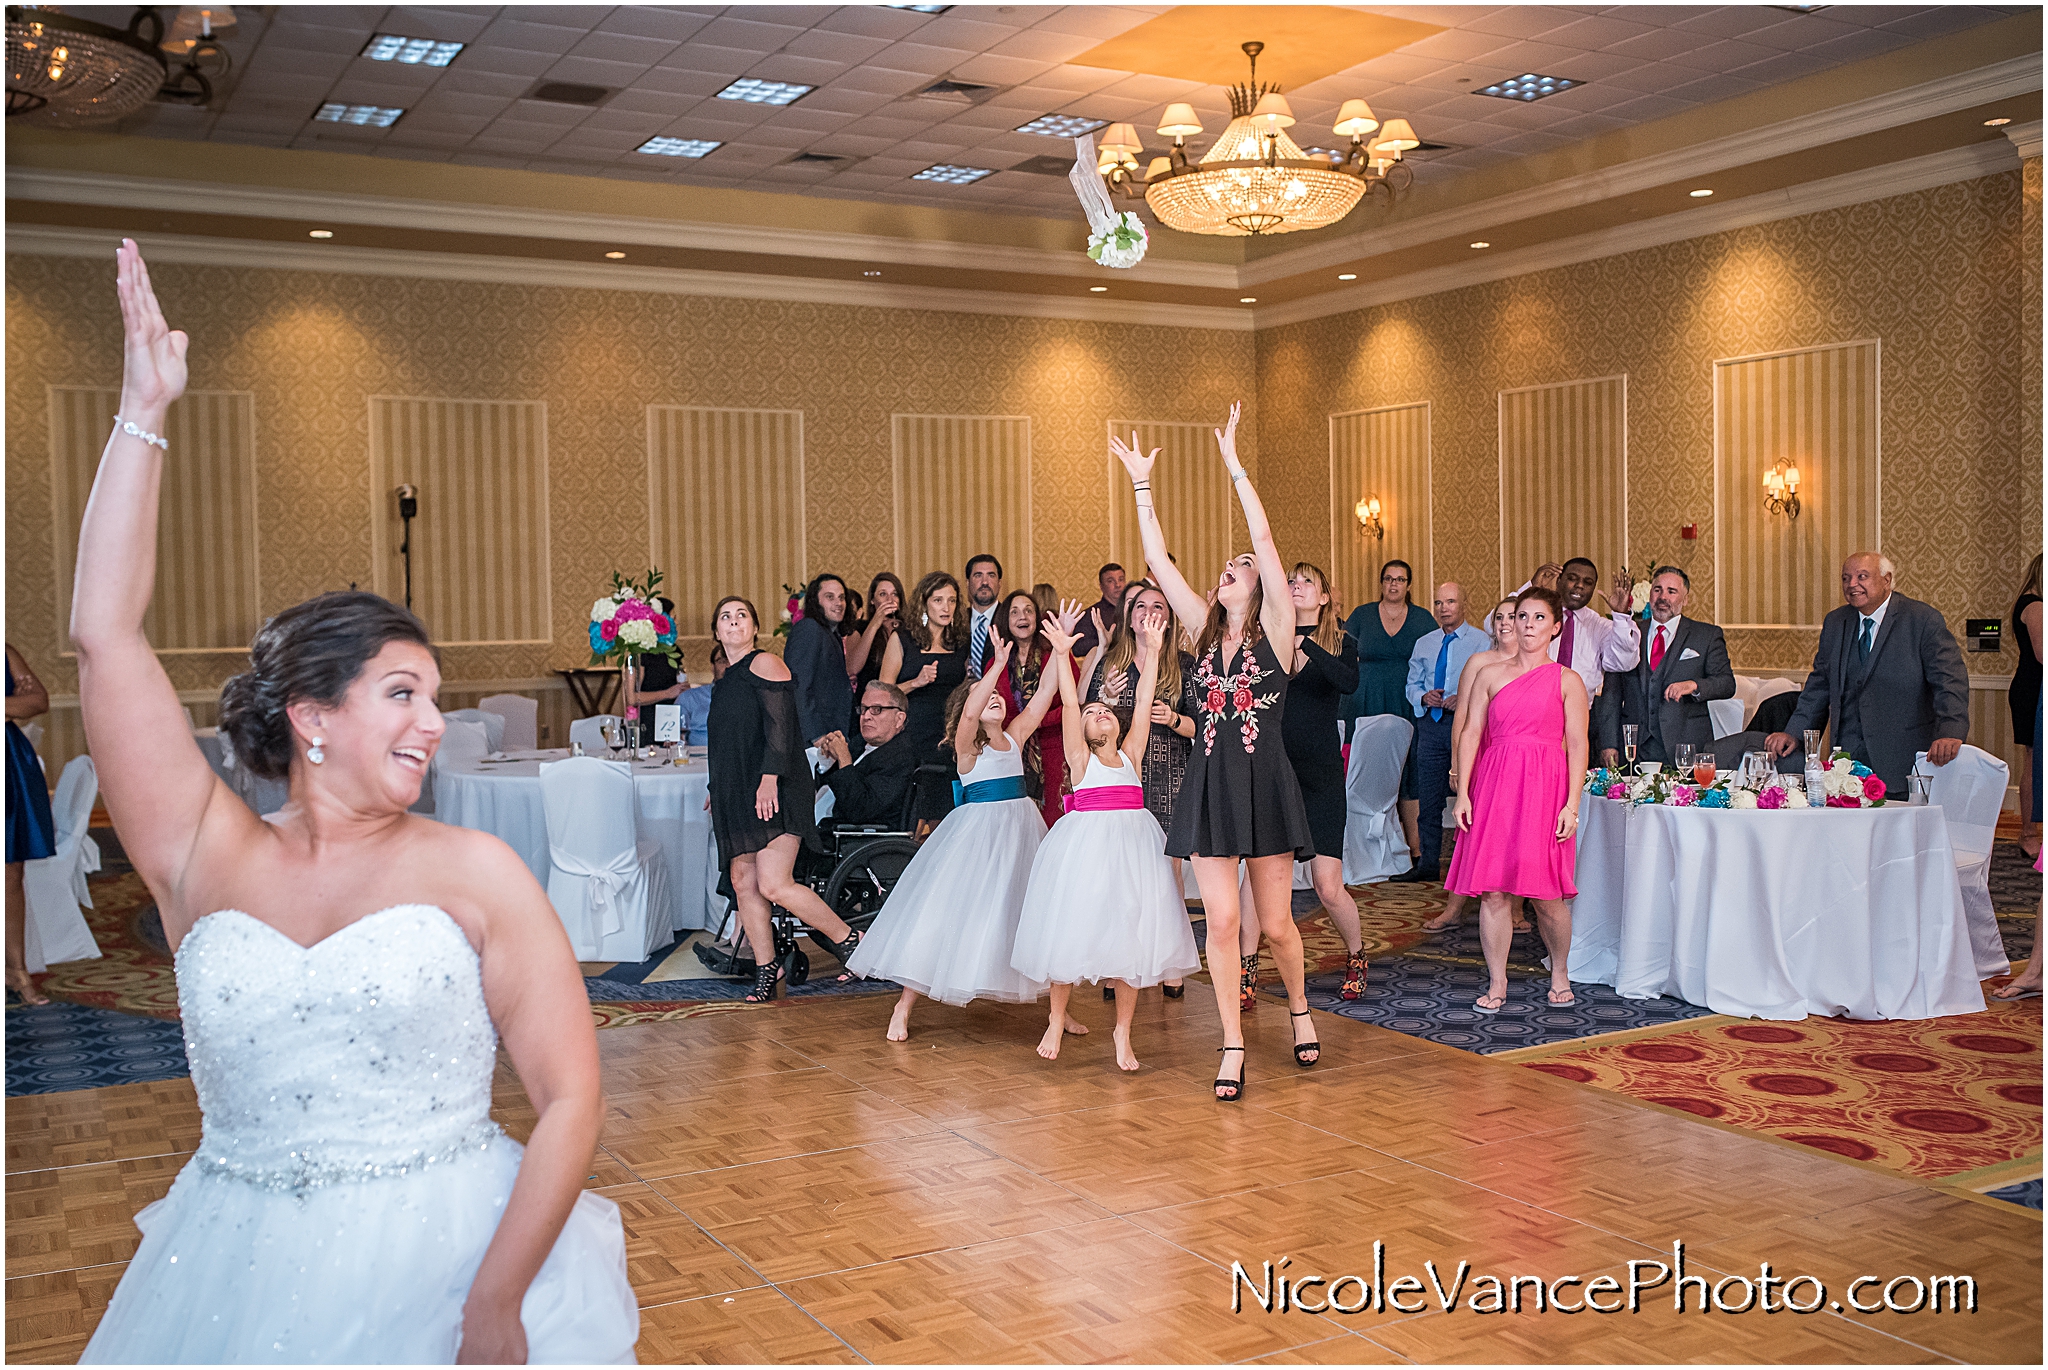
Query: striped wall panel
x: 1564, y: 476
x: 725, y: 507
x: 206, y: 557
x: 1818, y: 408
x: 962, y: 487
x: 1192, y: 494
x: 1382, y: 453
x: 480, y: 553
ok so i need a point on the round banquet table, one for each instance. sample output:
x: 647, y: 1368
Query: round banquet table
x: 503, y: 798
x: 1851, y: 913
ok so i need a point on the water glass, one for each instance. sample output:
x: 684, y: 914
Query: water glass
x: 1812, y: 739
x: 1703, y: 769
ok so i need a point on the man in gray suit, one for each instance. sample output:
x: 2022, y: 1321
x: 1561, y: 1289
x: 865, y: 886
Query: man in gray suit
x: 1888, y: 679
x: 1684, y: 664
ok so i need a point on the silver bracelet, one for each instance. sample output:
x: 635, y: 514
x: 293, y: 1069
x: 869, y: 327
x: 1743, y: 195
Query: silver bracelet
x: 1238, y: 476
x: 135, y: 431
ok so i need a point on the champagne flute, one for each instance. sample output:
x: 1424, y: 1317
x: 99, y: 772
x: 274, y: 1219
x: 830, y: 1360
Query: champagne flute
x: 1812, y: 740
x: 1681, y: 758
x: 1629, y: 733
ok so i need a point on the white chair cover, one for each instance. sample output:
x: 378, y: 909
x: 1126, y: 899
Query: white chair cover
x: 522, y: 720
x: 55, y: 885
x: 1727, y: 715
x: 464, y: 740
x: 494, y: 726
x: 1970, y: 791
x: 1374, y: 845
x: 610, y: 889
x: 590, y: 731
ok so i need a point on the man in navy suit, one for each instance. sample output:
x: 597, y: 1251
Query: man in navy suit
x: 1888, y: 680
x: 1684, y: 664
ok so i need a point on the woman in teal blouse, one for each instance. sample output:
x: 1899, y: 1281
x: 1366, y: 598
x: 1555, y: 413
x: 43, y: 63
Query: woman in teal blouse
x: 1386, y: 632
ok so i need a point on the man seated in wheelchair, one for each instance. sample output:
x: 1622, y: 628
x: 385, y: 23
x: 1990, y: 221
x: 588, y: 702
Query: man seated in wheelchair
x: 872, y: 789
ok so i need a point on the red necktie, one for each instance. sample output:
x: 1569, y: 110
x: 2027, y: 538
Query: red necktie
x: 1657, y: 649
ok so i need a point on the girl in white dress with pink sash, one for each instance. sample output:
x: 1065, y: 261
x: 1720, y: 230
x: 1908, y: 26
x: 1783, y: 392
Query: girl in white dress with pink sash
x: 1103, y: 903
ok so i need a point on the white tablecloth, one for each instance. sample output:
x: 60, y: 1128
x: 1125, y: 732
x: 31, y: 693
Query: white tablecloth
x: 504, y: 799
x: 1840, y: 912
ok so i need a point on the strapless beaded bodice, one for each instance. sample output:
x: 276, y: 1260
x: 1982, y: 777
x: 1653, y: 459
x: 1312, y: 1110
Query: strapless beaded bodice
x: 367, y: 1055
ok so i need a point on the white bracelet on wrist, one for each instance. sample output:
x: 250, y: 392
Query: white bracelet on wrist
x: 136, y: 431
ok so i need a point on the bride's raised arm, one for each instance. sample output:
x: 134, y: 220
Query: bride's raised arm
x: 1191, y: 607
x: 1276, y: 614
x: 157, y: 784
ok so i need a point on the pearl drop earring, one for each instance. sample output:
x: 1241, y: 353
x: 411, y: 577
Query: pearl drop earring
x: 314, y: 754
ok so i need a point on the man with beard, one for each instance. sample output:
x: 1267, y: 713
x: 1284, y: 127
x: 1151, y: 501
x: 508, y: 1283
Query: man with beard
x: 984, y: 588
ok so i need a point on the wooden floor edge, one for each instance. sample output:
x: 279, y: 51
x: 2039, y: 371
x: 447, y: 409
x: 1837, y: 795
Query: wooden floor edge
x: 1524, y: 1055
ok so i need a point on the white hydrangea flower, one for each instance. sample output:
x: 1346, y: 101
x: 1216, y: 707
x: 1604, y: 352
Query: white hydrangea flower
x: 1639, y: 596
x: 602, y: 611
x: 1795, y: 798
x: 1744, y: 799
x: 639, y: 633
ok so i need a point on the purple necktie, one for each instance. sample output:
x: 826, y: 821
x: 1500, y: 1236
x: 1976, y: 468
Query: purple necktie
x: 1564, y: 642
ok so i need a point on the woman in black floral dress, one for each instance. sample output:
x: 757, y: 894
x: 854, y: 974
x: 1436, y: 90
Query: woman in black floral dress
x: 1240, y: 800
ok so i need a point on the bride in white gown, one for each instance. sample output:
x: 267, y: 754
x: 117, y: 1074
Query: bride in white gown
x: 346, y: 972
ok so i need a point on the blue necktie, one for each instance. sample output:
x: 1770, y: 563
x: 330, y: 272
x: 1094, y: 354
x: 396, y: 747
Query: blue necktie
x: 1443, y: 660
x: 1863, y: 641
x: 978, y: 652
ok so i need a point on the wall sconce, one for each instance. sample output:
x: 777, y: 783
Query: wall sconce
x: 1781, y: 490
x: 1368, y: 512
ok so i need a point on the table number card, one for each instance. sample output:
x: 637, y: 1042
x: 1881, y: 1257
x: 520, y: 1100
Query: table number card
x: 668, y: 723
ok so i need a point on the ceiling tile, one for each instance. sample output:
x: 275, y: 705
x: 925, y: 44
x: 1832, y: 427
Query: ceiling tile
x: 883, y: 80
x: 530, y: 37
x: 989, y: 69
x: 543, y: 112
x: 1725, y: 55
x: 1644, y: 108
x: 838, y: 99
x: 1456, y: 45
x: 443, y: 25
x: 1786, y: 66
x: 955, y: 29
x: 628, y: 49
x: 669, y: 81
x: 510, y: 61
x: 1854, y: 47
x: 319, y: 38
x: 1098, y: 21
x: 801, y: 71
x: 873, y: 21
x: 730, y: 32
x: 475, y: 81
x: 733, y: 63
x: 835, y: 47
x: 648, y: 21
x: 1044, y: 45
x: 587, y: 71
x: 1519, y: 21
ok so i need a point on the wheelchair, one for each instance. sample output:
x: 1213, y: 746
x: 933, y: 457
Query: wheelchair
x: 853, y: 870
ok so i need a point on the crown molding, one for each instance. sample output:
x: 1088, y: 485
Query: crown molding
x: 449, y: 266
x: 2018, y: 76
x: 2026, y: 137
x: 1966, y: 163
x: 139, y: 192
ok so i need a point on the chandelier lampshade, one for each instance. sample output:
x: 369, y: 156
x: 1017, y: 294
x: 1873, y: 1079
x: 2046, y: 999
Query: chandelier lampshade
x: 70, y: 72
x: 1256, y: 180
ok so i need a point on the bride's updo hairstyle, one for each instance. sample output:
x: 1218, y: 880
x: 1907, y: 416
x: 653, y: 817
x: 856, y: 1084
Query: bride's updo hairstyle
x: 314, y: 650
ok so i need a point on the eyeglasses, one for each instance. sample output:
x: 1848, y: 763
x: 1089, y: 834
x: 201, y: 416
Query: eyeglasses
x: 867, y: 709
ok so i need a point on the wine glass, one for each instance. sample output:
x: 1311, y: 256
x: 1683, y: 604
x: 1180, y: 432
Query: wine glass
x: 1703, y: 768
x: 609, y: 730
x: 1681, y: 758
x: 1629, y: 733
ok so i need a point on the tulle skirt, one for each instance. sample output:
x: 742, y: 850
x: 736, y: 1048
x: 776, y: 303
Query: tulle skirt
x: 1103, y: 904
x: 357, y: 1273
x: 947, y: 928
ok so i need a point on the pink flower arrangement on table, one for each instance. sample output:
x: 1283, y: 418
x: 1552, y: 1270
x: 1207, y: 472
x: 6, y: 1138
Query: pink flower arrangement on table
x: 627, y: 622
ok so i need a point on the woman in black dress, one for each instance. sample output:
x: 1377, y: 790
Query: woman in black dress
x: 927, y: 660
x: 1240, y: 799
x: 2024, y: 696
x: 761, y: 795
x: 868, y: 639
x: 1325, y: 670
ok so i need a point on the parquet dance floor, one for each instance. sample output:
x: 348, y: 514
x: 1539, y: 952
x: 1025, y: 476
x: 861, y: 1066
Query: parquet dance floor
x: 797, y: 1189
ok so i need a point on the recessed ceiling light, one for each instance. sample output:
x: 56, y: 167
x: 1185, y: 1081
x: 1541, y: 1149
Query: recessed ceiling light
x: 920, y: 9
x: 391, y: 47
x: 1482, y: 243
x: 1700, y: 194
x: 755, y: 92
x: 1348, y: 276
x: 367, y: 116
x: 320, y: 233
x: 1062, y: 125
x: 1247, y: 299
x: 870, y: 273
x: 679, y: 147
x: 945, y: 173
x: 615, y: 256
x: 1098, y: 289
x: 1529, y: 86
x: 1996, y: 123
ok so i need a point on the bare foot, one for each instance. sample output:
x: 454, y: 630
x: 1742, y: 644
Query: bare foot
x: 1075, y: 1026
x: 1049, y: 1045
x: 1522, y: 926
x: 899, y: 1024
x: 1126, y: 1059
x: 23, y: 984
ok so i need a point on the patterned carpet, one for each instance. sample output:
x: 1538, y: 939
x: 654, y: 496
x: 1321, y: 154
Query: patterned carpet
x: 62, y: 1046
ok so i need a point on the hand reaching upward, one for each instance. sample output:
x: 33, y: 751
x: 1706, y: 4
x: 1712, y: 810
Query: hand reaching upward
x: 998, y: 655
x: 1060, y: 632
x: 1135, y: 459
x: 1069, y: 617
x: 152, y: 352
x: 1151, y: 634
x: 1226, y: 439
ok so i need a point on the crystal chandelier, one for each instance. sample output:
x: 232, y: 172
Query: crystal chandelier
x: 69, y: 72
x: 1256, y: 180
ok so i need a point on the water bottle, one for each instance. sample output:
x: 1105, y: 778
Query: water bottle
x: 1816, y: 782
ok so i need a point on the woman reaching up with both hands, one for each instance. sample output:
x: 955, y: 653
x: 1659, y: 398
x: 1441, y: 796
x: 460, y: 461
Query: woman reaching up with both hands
x: 1240, y: 800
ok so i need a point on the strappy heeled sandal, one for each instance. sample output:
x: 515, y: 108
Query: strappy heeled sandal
x: 1354, y: 975
x: 1236, y: 1087
x: 1310, y: 1045
x: 1248, y: 986
x: 767, y: 980
x: 844, y: 951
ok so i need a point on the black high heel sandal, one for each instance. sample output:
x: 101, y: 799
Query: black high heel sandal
x: 1236, y: 1087
x: 844, y: 951
x: 1174, y: 991
x: 1312, y: 1044
x: 766, y: 981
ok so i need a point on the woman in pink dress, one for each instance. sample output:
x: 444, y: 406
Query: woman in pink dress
x: 1517, y: 820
